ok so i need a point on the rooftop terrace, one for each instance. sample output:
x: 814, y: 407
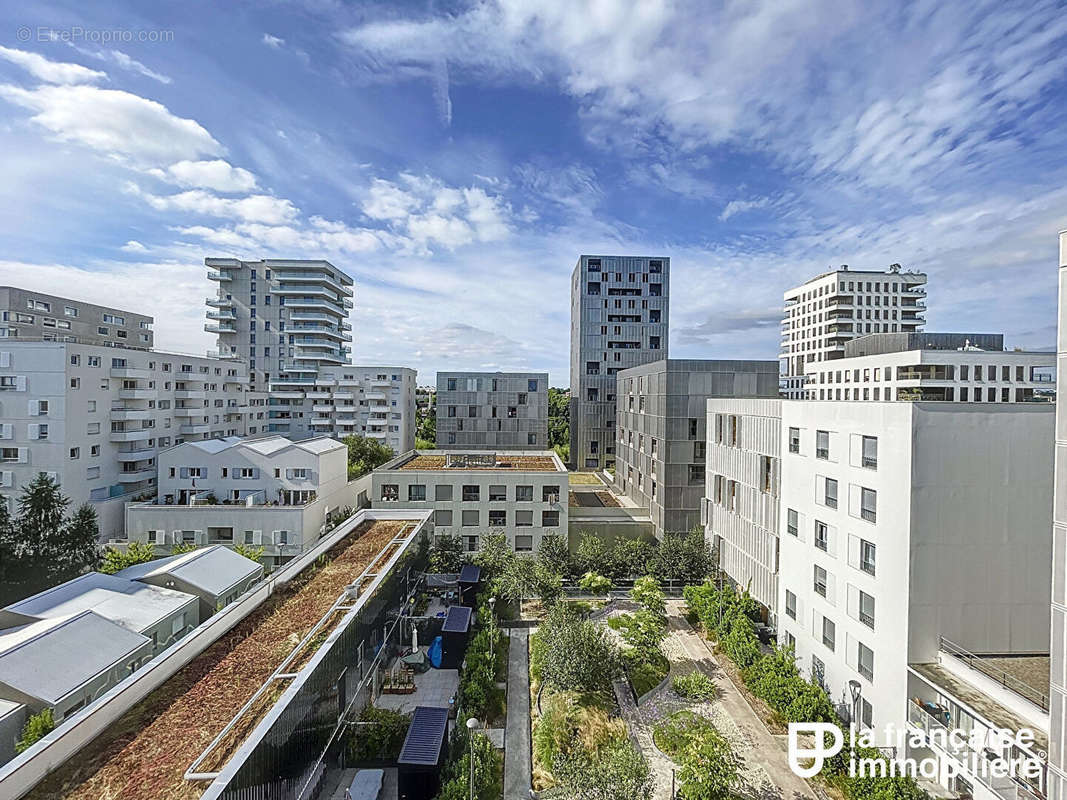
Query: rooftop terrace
x: 482, y: 461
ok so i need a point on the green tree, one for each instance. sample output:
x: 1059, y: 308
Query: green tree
x: 495, y: 555
x: 365, y: 455
x: 572, y: 653
x: 36, y: 728
x: 135, y: 553
x: 595, y: 584
x: 187, y: 547
x: 426, y: 427
x: 592, y: 554
x: 632, y: 557
x: 446, y: 554
x: 682, y: 557
x: 648, y: 594
x: 559, y: 415
x: 249, y: 552
x: 710, y: 768
x: 554, y: 555
x: 488, y: 768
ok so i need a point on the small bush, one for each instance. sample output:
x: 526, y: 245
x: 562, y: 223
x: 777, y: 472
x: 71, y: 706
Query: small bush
x: 645, y: 670
x: 674, y: 733
x: 381, y: 736
x: 694, y: 686
x: 36, y: 728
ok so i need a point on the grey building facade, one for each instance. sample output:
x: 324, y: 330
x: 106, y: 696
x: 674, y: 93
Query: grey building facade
x: 662, y: 423
x: 492, y: 410
x: 25, y: 314
x: 1057, y: 757
x: 619, y: 319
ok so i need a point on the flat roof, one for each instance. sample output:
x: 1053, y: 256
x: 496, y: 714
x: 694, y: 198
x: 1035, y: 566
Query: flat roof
x: 426, y: 737
x: 136, y: 606
x: 504, y: 461
x: 458, y: 620
x: 470, y: 573
x: 211, y: 569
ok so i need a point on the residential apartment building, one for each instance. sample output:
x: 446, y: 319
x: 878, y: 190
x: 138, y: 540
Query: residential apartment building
x: 619, y: 319
x: 955, y: 367
x: 743, y: 492
x: 287, y: 319
x: 94, y: 417
x: 520, y: 494
x: 824, y: 313
x: 904, y: 526
x: 26, y: 314
x: 661, y: 442
x: 492, y: 410
x: 1057, y: 760
x: 271, y: 492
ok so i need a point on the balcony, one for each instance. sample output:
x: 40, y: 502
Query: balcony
x: 218, y: 276
x: 314, y: 277
x: 131, y: 373
x: 138, y: 394
x: 225, y: 355
x: 301, y: 302
x: 218, y: 302
x: 139, y: 435
x: 190, y: 394
x: 191, y: 430
x: 136, y: 476
x: 325, y: 408
x: 189, y: 411
x: 125, y: 414
x: 210, y: 327
x: 142, y: 454
x: 286, y: 394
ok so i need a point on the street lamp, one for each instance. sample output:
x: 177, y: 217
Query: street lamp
x: 472, y: 723
x: 855, y: 689
x: 492, y: 606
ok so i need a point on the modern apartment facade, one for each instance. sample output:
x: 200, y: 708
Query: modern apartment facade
x: 619, y: 319
x: 520, y: 494
x: 907, y: 525
x: 287, y: 319
x: 272, y: 493
x: 953, y: 367
x: 492, y: 410
x: 824, y: 313
x: 26, y: 314
x: 661, y: 441
x: 743, y: 493
x: 1057, y: 760
x: 95, y: 417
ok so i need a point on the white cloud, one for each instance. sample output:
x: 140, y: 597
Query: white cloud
x: 273, y: 41
x: 217, y: 174
x: 134, y: 246
x: 115, y: 123
x: 51, y: 71
x: 741, y: 206
x: 257, y: 208
x: 126, y: 62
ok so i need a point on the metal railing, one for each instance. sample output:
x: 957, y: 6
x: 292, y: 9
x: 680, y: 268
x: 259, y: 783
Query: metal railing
x: 977, y: 663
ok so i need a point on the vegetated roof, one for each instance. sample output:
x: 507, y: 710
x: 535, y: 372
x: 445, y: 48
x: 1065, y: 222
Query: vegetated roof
x: 426, y: 737
x: 136, y: 606
x: 212, y: 570
x: 458, y: 620
x: 144, y: 754
x: 512, y: 463
x: 470, y: 573
x: 51, y: 658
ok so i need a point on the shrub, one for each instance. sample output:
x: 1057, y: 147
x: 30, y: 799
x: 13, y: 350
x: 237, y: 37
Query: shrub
x: 648, y: 594
x: 488, y: 768
x: 631, y: 557
x: 569, y: 652
x: 136, y: 553
x: 380, y: 737
x: 694, y: 686
x: 566, y: 724
x: 595, y: 583
x: 645, y: 670
x: 36, y: 728
x: 711, y: 770
x: 446, y: 554
x: 617, y: 770
x: 673, y: 734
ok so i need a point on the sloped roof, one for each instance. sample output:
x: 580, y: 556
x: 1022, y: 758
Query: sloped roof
x: 213, y: 569
x: 268, y: 445
x: 136, y: 606
x: 51, y: 658
x: 426, y: 737
x: 458, y: 620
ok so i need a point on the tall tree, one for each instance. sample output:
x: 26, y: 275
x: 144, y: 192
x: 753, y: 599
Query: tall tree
x: 365, y: 455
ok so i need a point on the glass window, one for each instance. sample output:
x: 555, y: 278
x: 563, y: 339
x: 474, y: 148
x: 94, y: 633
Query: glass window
x: 822, y: 444
x: 790, y: 604
x: 524, y: 519
x: 550, y: 519
x: 820, y: 581
x: 471, y: 493
x: 867, y: 553
x: 498, y: 493
x: 870, y: 452
x: 866, y: 609
x: 794, y: 440
x: 822, y: 536
x: 443, y: 492
x: 442, y: 516
x: 471, y: 518
x: 524, y: 494
x: 869, y: 504
x: 831, y: 493
x: 865, y: 661
x: 792, y: 522
x: 829, y: 632
x: 417, y: 491
x: 498, y: 518
x: 523, y: 543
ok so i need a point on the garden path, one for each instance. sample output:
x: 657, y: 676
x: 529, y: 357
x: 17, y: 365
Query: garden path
x: 517, y: 758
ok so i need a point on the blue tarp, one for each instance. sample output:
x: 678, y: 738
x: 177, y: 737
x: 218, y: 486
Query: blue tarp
x: 434, y: 653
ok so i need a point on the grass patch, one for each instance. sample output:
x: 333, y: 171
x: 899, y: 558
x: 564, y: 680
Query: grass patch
x: 645, y: 673
x: 673, y: 734
x: 584, y: 479
x: 694, y: 686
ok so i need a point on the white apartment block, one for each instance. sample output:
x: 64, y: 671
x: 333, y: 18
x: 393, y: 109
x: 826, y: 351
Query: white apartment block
x: 25, y: 314
x: 619, y: 319
x: 492, y: 410
x: 1057, y: 761
x: 521, y: 494
x: 827, y: 311
x: 270, y: 492
x: 288, y: 321
x: 953, y: 367
x: 906, y: 526
x: 741, y: 506
x: 94, y: 417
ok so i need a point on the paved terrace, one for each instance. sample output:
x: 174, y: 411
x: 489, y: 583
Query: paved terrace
x: 145, y: 754
x: 504, y: 461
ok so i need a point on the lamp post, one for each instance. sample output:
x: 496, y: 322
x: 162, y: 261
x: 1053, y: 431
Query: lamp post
x: 855, y: 689
x: 492, y: 639
x: 472, y: 723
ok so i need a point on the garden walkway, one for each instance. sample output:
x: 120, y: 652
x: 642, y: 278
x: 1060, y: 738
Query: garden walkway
x: 517, y: 759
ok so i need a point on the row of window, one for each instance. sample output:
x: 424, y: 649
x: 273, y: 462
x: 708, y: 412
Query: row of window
x: 472, y: 518
x: 868, y: 447
x: 477, y: 384
x: 470, y: 493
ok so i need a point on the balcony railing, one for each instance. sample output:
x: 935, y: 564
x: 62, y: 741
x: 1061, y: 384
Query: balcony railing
x: 977, y: 663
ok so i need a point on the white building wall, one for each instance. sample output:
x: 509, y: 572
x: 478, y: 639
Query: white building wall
x: 1057, y: 776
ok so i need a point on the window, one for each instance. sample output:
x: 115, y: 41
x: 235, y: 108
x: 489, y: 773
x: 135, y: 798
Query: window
x: 471, y: 518
x: 390, y: 491
x: 818, y: 671
x: 442, y: 492
x: 792, y: 522
x: 866, y: 713
x: 831, y: 493
x: 550, y: 494
x: 822, y: 444
x: 523, y: 519
x: 524, y: 494
x: 70, y: 311
x: 9, y: 454
x: 766, y: 470
x: 523, y: 543
x: 790, y: 604
x: 866, y: 609
x: 820, y: 581
x: 870, y: 452
x: 829, y: 631
x: 822, y: 536
x: 869, y: 504
x: 865, y: 661
x: 75, y: 452
x: 442, y: 516
x: 867, y: 551
x: 531, y: 386
x: 416, y: 492
x: 498, y: 518
x: 549, y: 519
x: 471, y: 493
x: 498, y: 494
x: 794, y: 440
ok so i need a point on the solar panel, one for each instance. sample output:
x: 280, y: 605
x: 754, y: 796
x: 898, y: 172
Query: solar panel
x: 426, y: 736
x: 458, y: 620
x: 470, y: 574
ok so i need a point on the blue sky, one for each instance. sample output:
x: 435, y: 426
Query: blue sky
x: 456, y: 158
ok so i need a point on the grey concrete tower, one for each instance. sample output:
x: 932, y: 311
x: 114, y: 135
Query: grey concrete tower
x: 619, y: 319
x: 492, y: 410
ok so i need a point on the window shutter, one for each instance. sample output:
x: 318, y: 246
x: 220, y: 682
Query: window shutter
x: 7, y: 431
x: 6, y: 478
x: 183, y: 472
x: 853, y: 601
x: 200, y: 537
x: 853, y: 551
x: 830, y: 588
x: 32, y: 430
x: 24, y: 455
x: 5, y: 358
x: 33, y: 408
x: 255, y: 473
x: 257, y: 537
x: 20, y: 383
